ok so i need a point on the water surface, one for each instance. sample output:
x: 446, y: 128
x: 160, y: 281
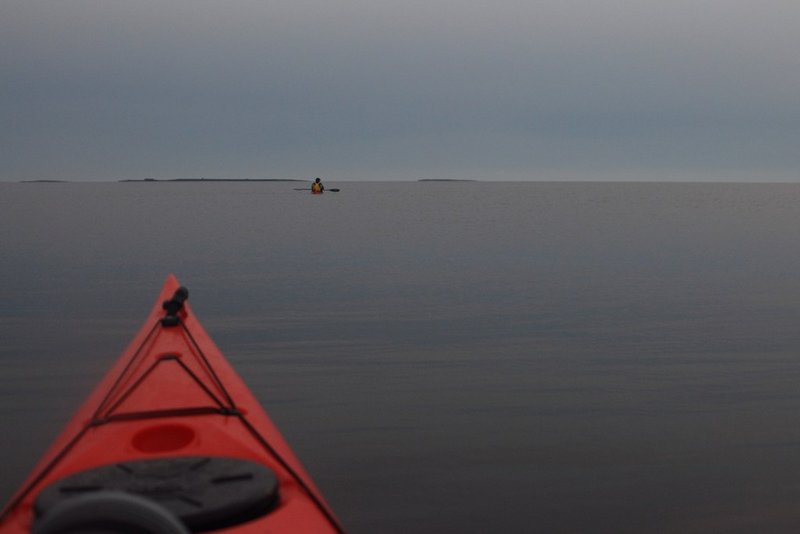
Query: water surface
x: 464, y: 357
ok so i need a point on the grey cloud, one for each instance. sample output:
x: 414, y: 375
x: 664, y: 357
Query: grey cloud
x: 505, y: 89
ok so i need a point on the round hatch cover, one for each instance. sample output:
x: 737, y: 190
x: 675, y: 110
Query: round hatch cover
x: 204, y: 492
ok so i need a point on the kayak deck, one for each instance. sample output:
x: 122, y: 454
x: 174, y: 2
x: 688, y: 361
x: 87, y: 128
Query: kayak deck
x: 173, y: 398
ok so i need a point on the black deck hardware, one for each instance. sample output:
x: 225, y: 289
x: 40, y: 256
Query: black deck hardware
x: 173, y: 306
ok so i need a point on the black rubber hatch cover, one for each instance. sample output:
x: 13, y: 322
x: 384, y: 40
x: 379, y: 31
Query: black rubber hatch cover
x: 204, y: 492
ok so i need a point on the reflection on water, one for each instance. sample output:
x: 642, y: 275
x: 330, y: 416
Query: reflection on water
x: 446, y: 356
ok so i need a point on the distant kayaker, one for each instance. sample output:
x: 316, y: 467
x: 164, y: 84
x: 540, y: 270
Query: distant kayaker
x: 317, y: 186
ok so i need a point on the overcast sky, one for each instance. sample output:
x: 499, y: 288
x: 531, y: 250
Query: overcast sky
x: 371, y: 89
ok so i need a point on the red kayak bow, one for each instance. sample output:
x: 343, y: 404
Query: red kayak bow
x: 170, y: 441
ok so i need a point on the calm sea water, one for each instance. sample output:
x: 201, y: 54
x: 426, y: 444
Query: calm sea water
x: 446, y: 357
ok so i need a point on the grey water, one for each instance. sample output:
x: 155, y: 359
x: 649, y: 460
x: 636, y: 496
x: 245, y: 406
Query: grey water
x: 446, y: 357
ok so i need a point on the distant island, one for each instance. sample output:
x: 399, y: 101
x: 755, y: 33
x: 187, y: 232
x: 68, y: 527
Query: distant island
x: 444, y: 180
x: 216, y: 180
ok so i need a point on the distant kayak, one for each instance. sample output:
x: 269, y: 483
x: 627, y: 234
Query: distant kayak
x: 170, y: 441
x: 332, y: 190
